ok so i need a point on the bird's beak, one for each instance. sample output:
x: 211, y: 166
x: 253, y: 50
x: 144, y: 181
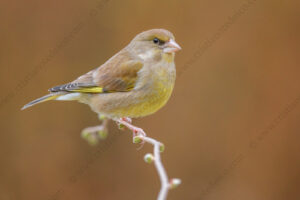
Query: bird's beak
x: 171, y: 46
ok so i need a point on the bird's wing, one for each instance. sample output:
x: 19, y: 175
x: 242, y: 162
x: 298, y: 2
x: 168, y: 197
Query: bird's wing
x: 119, y: 74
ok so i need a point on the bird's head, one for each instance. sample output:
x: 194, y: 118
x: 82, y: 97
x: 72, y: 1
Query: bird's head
x: 154, y: 43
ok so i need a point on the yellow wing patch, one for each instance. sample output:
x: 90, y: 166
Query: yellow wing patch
x: 89, y: 90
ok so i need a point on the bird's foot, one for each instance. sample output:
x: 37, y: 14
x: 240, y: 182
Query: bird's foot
x: 94, y: 133
x: 127, y: 119
x: 123, y: 122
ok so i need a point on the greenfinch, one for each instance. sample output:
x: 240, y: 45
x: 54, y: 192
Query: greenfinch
x: 135, y: 82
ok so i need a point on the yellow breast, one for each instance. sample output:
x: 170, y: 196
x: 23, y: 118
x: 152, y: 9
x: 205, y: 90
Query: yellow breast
x: 155, y: 97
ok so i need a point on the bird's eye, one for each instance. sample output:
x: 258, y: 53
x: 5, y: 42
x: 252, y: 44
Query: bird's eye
x: 156, y: 40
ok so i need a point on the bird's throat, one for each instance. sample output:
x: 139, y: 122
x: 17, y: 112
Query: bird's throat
x: 168, y: 57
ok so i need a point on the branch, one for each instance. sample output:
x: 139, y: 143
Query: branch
x: 158, y: 147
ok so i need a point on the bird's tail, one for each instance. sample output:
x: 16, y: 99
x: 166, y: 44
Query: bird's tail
x: 48, y: 97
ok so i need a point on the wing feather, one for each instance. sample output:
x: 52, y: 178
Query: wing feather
x: 119, y: 74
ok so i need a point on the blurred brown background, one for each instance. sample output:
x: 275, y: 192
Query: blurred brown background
x: 231, y: 128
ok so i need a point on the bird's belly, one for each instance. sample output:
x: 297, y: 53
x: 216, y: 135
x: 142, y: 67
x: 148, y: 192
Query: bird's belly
x: 150, y: 94
x: 132, y: 104
x: 155, y: 100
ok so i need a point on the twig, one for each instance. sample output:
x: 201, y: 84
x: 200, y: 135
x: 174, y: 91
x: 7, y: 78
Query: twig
x: 95, y: 133
x: 140, y: 137
x: 160, y: 168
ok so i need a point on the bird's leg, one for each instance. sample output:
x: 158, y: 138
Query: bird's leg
x: 94, y: 133
x: 125, y: 121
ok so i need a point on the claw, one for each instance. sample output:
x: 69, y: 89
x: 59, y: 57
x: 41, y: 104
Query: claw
x: 125, y: 121
x: 139, y: 131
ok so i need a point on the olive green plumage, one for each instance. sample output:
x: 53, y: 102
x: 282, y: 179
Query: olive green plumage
x: 135, y: 82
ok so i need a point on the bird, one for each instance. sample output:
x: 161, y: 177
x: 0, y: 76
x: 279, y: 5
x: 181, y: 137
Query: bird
x: 135, y: 82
